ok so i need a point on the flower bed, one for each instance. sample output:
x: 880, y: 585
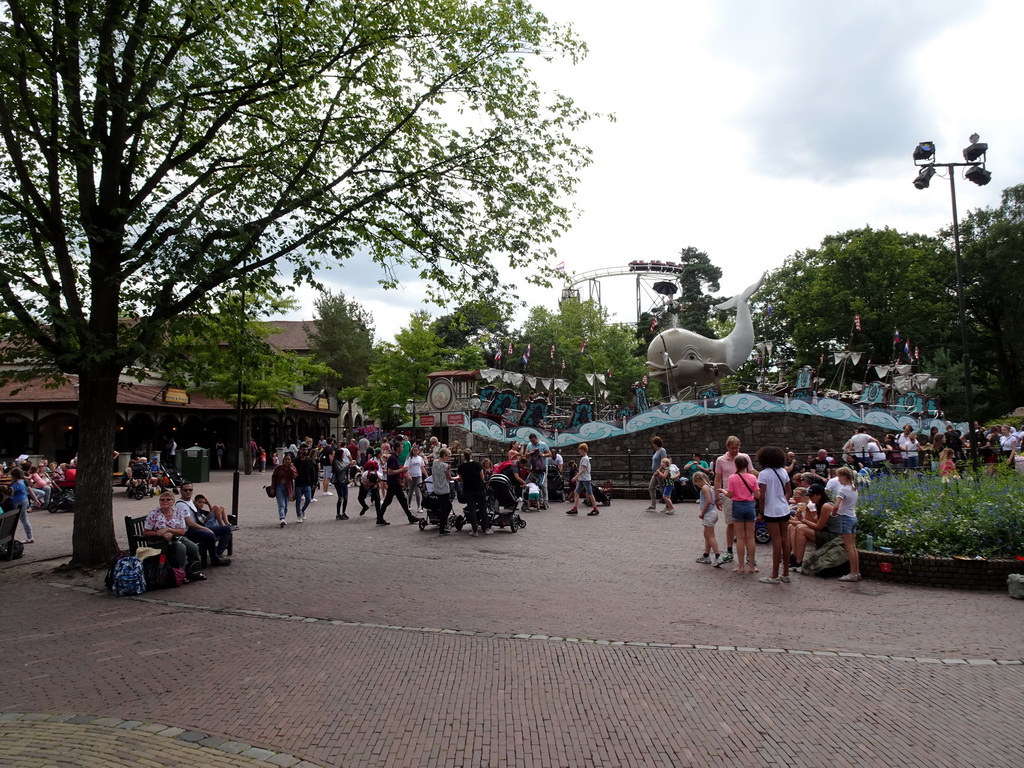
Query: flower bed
x: 920, y: 515
x: 936, y: 530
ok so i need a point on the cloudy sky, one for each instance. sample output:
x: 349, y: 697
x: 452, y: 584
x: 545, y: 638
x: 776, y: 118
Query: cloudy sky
x: 752, y: 129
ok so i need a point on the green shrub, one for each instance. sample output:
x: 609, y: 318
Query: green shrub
x: 922, y: 515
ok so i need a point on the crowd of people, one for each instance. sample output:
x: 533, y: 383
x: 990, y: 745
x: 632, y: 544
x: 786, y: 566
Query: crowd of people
x: 26, y: 486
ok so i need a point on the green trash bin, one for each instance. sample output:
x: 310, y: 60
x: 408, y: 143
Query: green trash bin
x: 195, y: 464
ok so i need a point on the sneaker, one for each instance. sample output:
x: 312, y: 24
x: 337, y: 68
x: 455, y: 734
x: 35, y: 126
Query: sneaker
x: 315, y: 498
x: 302, y: 518
x: 488, y: 531
x: 727, y: 557
x: 651, y: 509
x: 572, y: 511
x: 473, y: 532
x: 784, y: 579
x: 234, y: 527
x: 796, y: 570
x: 769, y: 580
x: 328, y: 493
x: 704, y: 559
x: 850, y: 577
x: 383, y: 522
x: 283, y: 522
x: 594, y: 512
x: 670, y: 511
x: 719, y: 561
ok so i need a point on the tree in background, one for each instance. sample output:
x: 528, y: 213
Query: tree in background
x: 156, y: 151
x: 894, y: 281
x: 698, y: 284
x: 480, y: 324
x: 342, y: 339
x: 993, y: 254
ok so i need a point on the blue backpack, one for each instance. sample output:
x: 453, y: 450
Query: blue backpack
x: 126, y: 577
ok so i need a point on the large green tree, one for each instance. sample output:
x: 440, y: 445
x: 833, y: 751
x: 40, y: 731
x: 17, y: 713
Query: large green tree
x: 158, y: 149
x: 893, y: 281
x: 342, y: 339
x: 993, y: 255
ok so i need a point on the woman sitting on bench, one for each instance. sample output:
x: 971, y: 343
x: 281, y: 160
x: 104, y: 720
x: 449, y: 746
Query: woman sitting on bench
x: 167, y: 522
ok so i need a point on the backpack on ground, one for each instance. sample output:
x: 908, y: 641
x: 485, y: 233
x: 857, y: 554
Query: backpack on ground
x: 12, y: 550
x: 126, y: 577
x: 828, y: 561
x: 158, y: 572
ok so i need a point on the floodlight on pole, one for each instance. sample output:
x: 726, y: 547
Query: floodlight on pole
x: 978, y: 174
x: 924, y: 178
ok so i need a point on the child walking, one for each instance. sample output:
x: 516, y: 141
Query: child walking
x: 583, y: 486
x: 708, y: 517
x: 664, y: 475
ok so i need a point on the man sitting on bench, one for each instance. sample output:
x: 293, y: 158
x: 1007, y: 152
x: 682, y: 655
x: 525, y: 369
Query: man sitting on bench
x: 213, y: 542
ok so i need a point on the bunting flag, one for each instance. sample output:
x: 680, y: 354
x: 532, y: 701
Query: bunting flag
x: 768, y: 310
x: 906, y: 348
x: 917, y: 353
x: 645, y: 379
x: 563, y: 363
x: 654, y: 324
x: 821, y: 360
x: 497, y: 357
x: 526, y: 355
x: 552, y: 351
x: 560, y: 266
x: 583, y: 347
x: 856, y: 321
x: 608, y: 373
x: 895, y: 338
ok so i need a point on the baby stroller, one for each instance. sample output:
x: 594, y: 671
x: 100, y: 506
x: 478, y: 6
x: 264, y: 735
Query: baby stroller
x: 432, y: 503
x: 172, y: 479
x: 503, y: 503
x: 62, y: 497
x: 137, y: 486
x: 556, y: 487
x: 603, y: 493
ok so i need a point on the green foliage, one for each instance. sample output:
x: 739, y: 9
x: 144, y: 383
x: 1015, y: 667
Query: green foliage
x: 342, y: 339
x: 993, y: 255
x: 698, y: 283
x: 609, y: 346
x: 474, y: 324
x: 922, y: 515
x: 894, y: 281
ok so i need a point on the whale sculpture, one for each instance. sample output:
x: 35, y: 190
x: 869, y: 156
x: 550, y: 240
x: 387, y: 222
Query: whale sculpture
x: 680, y: 357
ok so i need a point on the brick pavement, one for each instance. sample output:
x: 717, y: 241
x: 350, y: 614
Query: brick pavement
x: 319, y: 682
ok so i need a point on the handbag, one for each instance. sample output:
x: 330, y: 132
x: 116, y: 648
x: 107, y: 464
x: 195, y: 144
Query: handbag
x: 270, y: 491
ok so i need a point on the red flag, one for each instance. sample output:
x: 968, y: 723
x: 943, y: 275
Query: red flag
x: 654, y: 324
x: 856, y: 321
x: 917, y: 353
x: 509, y: 353
x: 552, y: 351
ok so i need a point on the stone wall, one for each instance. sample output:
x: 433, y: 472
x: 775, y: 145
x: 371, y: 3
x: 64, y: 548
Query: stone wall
x: 949, y: 573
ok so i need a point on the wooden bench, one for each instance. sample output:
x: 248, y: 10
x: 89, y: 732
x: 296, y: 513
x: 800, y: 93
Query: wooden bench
x: 8, y: 527
x: 135, y: 528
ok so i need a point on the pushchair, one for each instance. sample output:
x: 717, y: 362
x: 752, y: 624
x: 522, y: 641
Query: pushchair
x: 503, y: 503
x: 62, y: 497
x: 432, y: 504
x: 556, y: 487
x: 603, y: 493
x: 137, y: 486
x: 172, y: 479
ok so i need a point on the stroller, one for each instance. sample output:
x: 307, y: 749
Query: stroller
x: 503, y: 503
x: 62, y: 497
x: 137, y: 486
x: 432, y: 504
x: 556, y: 487
x: 603, y: 493
x: 172, y: 479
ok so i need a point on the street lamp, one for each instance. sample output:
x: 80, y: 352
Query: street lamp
x: 410, y: 408
x: 974, y: 157
x: 474, y: 406
x: 396, y: 409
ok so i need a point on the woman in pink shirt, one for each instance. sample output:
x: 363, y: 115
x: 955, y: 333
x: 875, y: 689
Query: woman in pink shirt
x: 744, y: 493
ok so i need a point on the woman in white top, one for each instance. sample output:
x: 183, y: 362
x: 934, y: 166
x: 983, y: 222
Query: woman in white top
x: 774, y: 501
x: 910, y: 446
x: 416, y: 465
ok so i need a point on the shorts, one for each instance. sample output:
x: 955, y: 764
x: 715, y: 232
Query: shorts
x: 727, y: 509
x: 848, y: 523
x: 584, y: 488
x: 667, y: 492
x: 710, y: 518
x: 328, y: 472
x: 743, y: 511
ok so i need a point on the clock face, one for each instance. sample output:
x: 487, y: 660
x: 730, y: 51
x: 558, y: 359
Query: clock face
x: 441, y: 395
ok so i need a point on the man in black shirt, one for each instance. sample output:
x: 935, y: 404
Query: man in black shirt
x: 474, y: 489
x: 304, y: 482
x: 394, y: 473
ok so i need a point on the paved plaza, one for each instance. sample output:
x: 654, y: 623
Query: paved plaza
x: 577, y: 641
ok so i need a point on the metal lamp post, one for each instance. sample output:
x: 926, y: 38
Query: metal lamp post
x: 974, y: 157
x: 474, y: 405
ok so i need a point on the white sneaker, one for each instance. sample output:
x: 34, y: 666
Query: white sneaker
x: 704, y: 559
x: 328, y: 493
x: 314, y: 499
x: 719, y: 561
x: 302, y: 519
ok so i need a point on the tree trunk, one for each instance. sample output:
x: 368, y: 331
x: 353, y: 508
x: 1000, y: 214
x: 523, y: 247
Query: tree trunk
x: 93, y: 541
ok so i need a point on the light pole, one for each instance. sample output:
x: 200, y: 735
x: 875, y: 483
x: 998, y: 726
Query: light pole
x: 974, y: 161
x: 396, y: 411
x: 474, y: 405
